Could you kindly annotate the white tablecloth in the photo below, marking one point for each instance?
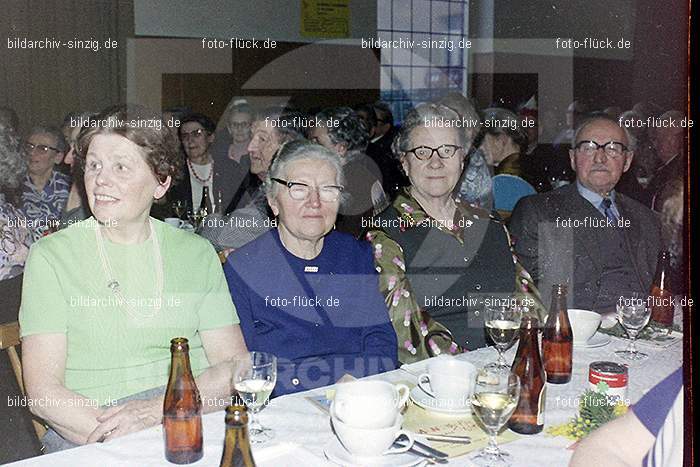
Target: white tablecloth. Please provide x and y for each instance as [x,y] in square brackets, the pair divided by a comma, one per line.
[298,421]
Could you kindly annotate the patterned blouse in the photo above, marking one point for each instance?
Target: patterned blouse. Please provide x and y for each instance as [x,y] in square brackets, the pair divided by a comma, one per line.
[411,322]
[43,208]
[15,239]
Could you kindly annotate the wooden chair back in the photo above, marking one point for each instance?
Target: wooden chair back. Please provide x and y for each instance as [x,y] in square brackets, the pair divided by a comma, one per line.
[9,341]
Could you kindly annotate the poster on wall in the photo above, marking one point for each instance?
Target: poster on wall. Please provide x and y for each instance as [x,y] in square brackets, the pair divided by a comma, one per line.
[325,18]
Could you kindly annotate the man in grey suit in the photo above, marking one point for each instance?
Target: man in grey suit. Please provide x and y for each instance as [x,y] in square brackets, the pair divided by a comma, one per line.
[603,244]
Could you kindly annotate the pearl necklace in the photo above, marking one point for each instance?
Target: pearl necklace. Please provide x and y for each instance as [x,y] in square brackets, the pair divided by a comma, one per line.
[114,285]
[203,181]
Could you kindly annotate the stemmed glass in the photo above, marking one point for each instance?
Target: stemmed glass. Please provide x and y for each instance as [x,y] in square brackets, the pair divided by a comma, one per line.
[254,378]
[180,208]
[502,323]
[495,397]
[633,313]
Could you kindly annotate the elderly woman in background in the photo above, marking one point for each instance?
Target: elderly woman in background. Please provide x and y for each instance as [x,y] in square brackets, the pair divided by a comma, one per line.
[342,131]
[76,208]
[476,185]
[103,297]
[435,253]
[45,190]
[249,215]
[322,315]
[15,236]
[240,118]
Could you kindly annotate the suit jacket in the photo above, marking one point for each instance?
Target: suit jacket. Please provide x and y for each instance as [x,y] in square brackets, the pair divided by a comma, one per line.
[554,253]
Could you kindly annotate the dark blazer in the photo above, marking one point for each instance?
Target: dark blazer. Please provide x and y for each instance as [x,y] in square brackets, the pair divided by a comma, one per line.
[553,253]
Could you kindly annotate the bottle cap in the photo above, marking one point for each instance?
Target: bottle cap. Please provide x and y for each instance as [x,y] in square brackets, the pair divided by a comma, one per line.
[236,415]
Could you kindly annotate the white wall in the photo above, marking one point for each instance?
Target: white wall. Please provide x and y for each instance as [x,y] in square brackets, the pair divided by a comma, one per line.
[279,20]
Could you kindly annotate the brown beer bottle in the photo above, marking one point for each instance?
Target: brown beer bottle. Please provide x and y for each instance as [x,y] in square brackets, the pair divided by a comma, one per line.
[557,339]
[205,205]
[182,408]
[661,294]
[528,417]
[237,444]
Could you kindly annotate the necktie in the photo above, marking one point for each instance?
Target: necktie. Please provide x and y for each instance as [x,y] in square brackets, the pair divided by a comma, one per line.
[606,204]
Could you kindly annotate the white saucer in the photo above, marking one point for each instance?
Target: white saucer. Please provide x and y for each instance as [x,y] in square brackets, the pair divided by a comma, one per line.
[336,453]
[598,340]
[428,402]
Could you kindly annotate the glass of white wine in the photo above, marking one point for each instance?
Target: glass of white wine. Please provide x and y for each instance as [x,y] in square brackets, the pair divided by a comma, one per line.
[633,312]
[495,397]
[254,378]
[502,324]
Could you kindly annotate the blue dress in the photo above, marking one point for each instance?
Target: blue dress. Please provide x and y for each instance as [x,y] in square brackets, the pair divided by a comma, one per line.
[322,318]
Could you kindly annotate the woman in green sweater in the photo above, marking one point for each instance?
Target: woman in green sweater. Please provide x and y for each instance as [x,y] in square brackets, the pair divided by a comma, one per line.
[103,297]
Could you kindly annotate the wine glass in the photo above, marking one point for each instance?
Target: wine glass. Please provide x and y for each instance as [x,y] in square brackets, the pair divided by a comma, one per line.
[495,397]
[179,207]
[502,324]
[633,313]
[254,378]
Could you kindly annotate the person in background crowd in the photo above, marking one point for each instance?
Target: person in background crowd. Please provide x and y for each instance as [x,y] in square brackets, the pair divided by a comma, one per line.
[650,434]
[9,119]
[428,245]
[343,132]
[669,204]
[15,236]
[102,298]
[323,309]
[574,112]
[17,438]
[613,111]
[504,142]
[379,149]
[367,114]
[196,133]
[76,208]
[45,191]
[272,128]
[645,162]
[558,234]
[238,125]
[475,187]
[670,145]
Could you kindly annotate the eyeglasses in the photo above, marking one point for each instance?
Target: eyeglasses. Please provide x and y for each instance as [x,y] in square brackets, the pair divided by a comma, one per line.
[424,153]
[42,148]
[193,134]
[612,149]
[301,191]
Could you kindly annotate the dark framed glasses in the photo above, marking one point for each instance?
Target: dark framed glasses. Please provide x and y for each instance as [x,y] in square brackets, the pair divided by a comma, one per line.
[612,149]
[41,148]
[445,151]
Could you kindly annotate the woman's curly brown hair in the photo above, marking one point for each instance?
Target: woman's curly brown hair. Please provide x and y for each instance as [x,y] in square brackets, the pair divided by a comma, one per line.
[142,127]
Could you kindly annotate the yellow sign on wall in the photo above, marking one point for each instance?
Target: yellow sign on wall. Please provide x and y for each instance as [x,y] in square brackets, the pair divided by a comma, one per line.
[325,18]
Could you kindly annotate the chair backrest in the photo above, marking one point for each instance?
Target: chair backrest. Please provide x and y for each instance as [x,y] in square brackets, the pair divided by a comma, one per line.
[508,189]
[9,341]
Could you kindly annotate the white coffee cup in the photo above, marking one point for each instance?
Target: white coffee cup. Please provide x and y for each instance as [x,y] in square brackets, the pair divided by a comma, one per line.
[372,442]
[449,380]
[369,404]
[175,222]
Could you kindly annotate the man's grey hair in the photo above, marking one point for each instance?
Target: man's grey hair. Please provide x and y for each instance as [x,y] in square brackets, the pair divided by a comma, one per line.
[422,116]
[631,140]
[346,128]
[55,133]
[13,164]
[302,150]
[287,123]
